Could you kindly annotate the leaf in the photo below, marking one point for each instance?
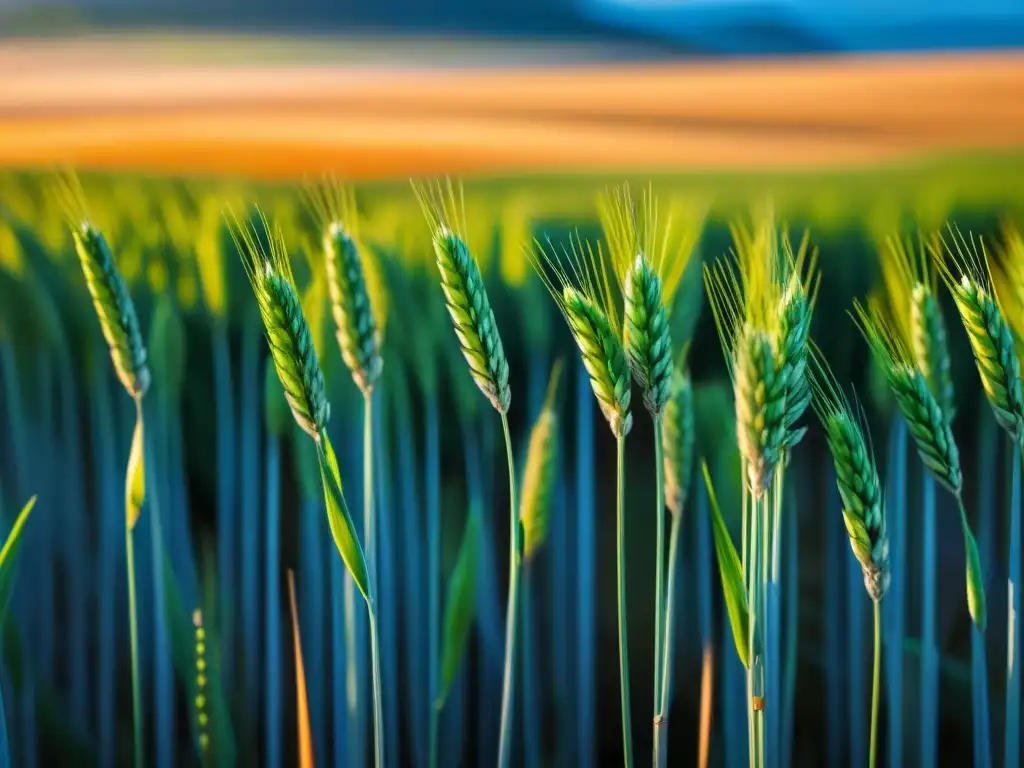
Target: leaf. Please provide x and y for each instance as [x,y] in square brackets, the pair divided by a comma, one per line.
[9,556]
[340,519]
[135,477]
[459,605]
[731,572]
[301,700]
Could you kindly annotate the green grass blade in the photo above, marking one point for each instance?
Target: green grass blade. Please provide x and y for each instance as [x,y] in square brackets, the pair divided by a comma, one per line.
[340,519]
[731,572]
[459,606]
[9,556]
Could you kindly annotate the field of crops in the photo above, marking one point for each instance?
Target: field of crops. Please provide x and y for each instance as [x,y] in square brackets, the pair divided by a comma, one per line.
[363,474]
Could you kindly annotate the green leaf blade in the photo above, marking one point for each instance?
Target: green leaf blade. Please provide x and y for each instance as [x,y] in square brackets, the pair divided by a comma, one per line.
[135,477]
[340,519]
[731,572]
[459,606]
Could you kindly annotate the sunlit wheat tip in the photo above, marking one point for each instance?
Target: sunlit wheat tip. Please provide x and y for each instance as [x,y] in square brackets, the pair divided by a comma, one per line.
[646,334]
[351,306]
[115,309]
[677,440]
[288,334]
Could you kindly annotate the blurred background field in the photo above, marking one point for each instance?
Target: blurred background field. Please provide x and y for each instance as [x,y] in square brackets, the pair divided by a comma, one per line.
[857,120]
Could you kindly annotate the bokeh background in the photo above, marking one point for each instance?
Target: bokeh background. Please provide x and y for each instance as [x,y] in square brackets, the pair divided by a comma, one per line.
[857,119]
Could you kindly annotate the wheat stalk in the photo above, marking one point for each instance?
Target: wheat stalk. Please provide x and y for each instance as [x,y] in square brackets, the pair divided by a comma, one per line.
[578,281]
[465,295]
[539,474]
[991,338]
[930,428]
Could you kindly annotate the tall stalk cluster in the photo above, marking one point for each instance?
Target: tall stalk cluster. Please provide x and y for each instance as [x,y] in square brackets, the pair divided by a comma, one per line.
[762,298]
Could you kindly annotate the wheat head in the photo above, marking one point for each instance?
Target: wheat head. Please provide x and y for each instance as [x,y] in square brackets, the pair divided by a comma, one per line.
[350,304]
[909,300]
[927,422]
[285,326]
[466,299]
[857,479]
[541,464]
[114,308]
[991,339]
[677,440]
[762,299]
[648,257]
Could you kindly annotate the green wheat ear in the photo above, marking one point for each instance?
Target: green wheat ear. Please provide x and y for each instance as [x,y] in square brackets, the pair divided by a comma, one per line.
[466,298]
[760,407]
[646,333]
[648,258]
[910,285]
[578,282]
[288,335]
[539,477]
[991,338]
[677,439]
[114,308]
[926,420]
[857,478]
[351,305]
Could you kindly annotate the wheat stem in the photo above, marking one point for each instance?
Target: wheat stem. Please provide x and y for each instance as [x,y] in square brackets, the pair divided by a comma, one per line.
[929,652]
[1011,739]
[432,470]
[620,556]
[660,651]
[875,686]
[515,551]
[661,721]
[133,630]
[370,536]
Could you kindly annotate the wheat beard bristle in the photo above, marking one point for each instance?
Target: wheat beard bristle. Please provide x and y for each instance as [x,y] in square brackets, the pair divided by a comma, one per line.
[677,436]
[646,334]
[353,315]
[760,408]
[995,354]
[115,309]
[931,353]
[604,359]
[473,319]
[928,426]
[863,510]
[291,347]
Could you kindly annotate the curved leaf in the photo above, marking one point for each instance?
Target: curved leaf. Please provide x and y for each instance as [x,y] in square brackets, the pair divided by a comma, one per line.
[731,572]
[458,608]
[340,519]
[135,477]
[9,556]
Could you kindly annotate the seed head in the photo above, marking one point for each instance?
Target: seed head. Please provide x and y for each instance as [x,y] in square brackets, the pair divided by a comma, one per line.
[857,478]
[288,334]
[794,333]
[677,440]
[761,411]
[603,357]
[350,304]
[473,318]
[539,477]
[114,307]
[646,334]
[927,421]
[930,348]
